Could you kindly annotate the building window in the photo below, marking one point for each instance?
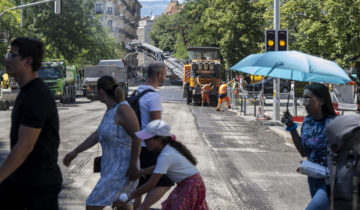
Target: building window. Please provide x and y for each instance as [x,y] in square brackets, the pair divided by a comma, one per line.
[109,23]
[99,8]
[109,10]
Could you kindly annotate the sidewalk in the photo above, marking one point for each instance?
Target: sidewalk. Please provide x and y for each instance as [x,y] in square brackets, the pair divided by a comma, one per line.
[275,126]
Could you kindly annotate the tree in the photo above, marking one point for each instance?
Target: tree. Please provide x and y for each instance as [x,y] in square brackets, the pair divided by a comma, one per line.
[180,48]
[308,27]
[73,34]
[163,33]
[325,28]
[344,20]
[239,26]
[9,26]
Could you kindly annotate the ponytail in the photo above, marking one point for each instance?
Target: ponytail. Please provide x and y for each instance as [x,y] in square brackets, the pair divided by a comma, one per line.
[118,94]
[179,147]
[111,87]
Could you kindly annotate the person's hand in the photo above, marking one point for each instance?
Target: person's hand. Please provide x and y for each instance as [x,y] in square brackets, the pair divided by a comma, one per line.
[69,157]
[118,204]
[287,119]
[133,173]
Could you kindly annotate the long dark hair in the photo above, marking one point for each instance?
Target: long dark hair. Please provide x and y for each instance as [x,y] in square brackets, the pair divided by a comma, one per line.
[111,87]
[321,91]
[179,147]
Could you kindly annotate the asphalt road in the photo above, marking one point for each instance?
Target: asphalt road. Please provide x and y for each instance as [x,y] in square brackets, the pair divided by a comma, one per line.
[244,165]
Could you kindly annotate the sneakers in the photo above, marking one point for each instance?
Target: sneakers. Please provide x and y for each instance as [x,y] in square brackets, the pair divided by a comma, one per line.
[218,110]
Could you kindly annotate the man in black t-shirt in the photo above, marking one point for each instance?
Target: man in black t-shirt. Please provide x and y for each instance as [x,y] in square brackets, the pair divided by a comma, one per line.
[30,177]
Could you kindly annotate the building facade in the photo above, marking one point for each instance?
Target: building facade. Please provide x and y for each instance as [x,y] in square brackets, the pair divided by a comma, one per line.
[121,17]
[145,26]
[173,8]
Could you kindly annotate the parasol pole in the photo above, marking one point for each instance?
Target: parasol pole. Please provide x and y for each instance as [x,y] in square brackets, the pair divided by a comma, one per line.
[287,104]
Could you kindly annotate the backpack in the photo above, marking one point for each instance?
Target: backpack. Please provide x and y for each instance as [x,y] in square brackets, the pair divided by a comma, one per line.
[343,161]
[133,101]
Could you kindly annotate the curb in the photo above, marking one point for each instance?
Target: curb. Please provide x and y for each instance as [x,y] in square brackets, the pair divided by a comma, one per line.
[280,131]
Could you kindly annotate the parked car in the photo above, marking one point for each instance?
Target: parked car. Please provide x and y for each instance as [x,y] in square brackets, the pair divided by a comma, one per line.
[285,86]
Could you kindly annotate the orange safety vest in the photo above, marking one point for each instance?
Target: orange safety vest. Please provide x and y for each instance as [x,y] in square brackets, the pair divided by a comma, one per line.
[222,89]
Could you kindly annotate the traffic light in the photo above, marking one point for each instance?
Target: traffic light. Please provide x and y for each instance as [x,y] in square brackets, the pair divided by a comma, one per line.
[282,40]
[57,7]
[269,40]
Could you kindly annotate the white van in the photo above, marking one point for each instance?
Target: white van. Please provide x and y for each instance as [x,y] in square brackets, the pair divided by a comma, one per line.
[118,63]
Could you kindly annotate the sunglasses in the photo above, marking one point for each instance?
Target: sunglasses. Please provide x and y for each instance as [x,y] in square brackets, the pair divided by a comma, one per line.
[11,55]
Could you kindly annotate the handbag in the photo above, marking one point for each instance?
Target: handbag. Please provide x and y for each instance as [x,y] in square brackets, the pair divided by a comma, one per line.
[97,162]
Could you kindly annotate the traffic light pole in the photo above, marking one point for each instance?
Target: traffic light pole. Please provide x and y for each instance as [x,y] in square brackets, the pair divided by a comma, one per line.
[276,95]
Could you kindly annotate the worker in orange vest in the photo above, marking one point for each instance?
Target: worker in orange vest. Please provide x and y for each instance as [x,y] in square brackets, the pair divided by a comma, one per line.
[223,94]
[205,90]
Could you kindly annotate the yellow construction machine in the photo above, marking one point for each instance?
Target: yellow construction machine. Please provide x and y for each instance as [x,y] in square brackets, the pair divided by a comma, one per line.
[8,91]
[203,67]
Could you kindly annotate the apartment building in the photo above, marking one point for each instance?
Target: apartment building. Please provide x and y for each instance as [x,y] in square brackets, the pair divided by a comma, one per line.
[145,26]
[121,17]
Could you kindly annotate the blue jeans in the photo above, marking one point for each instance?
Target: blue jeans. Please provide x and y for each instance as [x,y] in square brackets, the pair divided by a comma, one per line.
[318,194]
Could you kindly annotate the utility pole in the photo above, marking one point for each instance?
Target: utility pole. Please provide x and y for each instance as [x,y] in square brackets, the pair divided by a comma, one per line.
[276,95]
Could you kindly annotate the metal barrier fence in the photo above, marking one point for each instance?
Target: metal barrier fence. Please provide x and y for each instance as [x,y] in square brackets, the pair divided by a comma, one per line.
[254,102]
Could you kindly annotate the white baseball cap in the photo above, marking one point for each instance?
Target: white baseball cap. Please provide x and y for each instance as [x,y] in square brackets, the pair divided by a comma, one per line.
[154,128]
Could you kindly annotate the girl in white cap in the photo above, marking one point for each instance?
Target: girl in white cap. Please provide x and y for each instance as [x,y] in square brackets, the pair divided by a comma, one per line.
[178,163]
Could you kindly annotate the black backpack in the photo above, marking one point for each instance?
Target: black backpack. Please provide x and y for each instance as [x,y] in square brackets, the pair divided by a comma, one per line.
[133,101]
[343,161]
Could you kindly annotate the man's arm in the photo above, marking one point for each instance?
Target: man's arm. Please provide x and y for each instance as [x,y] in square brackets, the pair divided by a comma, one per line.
[230,82]
[155,115]
[27,138]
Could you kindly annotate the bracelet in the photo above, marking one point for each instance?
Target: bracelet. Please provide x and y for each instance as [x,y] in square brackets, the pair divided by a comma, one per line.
[292,127]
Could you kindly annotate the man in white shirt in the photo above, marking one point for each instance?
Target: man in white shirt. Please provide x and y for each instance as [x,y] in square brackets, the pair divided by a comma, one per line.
[150,109]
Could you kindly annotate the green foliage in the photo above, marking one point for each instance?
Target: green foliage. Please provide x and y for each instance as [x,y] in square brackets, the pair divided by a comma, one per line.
[192,29]
[76,35]
[329,29]
[72,35]
[343,29]
[9,25]
[234,26]
[182,29]
[163,33]
[239,28]
[180,49]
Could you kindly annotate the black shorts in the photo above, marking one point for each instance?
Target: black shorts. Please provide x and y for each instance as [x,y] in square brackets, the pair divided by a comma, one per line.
[222,95]
[147,159]
[15,196]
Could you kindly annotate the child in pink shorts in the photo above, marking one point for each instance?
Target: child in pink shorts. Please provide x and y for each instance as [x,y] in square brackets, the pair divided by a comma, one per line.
[177,162]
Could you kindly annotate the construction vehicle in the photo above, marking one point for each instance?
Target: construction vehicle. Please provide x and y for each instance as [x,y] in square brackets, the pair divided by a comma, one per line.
[8,91]
[93,72]
[202,68]
[60,78]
